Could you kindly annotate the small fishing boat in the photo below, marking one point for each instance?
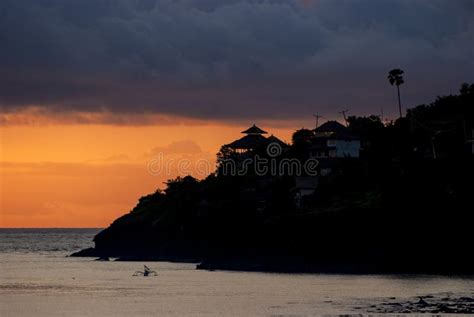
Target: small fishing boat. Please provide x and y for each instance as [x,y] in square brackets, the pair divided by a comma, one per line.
[146,272]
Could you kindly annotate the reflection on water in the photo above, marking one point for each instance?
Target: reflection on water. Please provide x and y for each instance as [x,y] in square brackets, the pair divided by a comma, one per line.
[36,281]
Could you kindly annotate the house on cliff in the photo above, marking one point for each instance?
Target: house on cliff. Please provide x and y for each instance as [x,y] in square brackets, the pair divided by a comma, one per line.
[331,143]
[333,140]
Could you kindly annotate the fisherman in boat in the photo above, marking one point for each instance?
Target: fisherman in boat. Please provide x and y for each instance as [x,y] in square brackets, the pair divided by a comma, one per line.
[146,270]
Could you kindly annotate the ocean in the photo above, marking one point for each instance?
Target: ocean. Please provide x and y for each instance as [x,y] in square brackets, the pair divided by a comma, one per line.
[38,279]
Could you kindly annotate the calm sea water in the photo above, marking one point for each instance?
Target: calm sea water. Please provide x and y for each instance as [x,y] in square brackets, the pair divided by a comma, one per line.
[37,279]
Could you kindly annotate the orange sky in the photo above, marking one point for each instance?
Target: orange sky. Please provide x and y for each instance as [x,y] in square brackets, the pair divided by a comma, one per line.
[86,175]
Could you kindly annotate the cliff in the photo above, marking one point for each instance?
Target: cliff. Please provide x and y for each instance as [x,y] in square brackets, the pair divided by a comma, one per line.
[403,206]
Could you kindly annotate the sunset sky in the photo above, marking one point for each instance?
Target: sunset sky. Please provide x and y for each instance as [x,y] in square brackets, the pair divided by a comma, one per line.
[92,90]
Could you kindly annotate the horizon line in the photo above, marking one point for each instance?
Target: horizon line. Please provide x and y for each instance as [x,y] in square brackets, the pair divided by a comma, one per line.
[3,228]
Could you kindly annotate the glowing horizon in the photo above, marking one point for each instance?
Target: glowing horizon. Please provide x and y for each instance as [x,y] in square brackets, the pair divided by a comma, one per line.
[77,175]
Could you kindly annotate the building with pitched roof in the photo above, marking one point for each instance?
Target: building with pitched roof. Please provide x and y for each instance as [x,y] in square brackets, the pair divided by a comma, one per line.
[254,138]
[334,140]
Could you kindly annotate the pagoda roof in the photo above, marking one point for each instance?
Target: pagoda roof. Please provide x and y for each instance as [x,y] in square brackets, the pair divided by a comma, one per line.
[247,142]
[254,130]
[274,139]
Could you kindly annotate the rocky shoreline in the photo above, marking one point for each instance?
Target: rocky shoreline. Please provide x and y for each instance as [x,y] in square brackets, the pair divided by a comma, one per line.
[93,253]
[443,303]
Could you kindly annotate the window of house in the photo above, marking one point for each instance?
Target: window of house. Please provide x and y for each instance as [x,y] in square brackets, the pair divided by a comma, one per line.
[331,142]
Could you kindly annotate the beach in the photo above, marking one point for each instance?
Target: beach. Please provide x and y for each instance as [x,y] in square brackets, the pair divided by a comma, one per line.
[48,283]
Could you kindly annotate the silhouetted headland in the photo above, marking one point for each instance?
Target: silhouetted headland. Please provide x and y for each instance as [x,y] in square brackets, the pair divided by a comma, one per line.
[384,197]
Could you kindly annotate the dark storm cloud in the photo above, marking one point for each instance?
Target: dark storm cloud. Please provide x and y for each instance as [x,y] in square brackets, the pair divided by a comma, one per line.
[230,59]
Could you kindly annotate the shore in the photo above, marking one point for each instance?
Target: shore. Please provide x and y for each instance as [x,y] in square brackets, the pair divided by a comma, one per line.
[50,284]
[434,303]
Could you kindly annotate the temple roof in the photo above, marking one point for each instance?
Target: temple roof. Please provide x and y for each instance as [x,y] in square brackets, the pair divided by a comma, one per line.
[254,130]
[274,139]
[247,142]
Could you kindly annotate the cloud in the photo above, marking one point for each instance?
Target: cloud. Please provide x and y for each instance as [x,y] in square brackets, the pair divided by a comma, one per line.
[118,158]
[36,115]
[224,60]
[177,147]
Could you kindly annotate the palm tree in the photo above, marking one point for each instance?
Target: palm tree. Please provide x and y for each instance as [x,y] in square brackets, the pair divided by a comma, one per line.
[395,76]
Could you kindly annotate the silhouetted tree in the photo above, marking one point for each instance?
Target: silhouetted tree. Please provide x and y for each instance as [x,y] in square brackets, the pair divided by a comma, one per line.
[395,76]
[301,142]
[302,137]
[224,153]
[364,126]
